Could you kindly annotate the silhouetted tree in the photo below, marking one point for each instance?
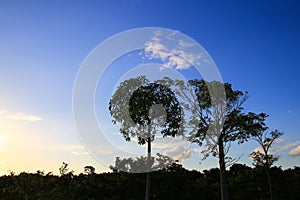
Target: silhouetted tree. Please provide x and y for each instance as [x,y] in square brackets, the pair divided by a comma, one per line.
[89,170]
[237,168]
[173,183]
[63,169]
[138,164]
[142,107]
[263,157]
[217,118]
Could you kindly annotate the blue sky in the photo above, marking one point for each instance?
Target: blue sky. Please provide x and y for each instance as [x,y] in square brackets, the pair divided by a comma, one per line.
[255,45]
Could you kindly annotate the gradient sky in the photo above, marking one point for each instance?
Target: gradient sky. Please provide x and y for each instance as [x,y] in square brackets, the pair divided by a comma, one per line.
[255,44]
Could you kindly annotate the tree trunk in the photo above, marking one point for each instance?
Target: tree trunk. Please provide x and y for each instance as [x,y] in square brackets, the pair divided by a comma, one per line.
[269,183]
[223,179]
[148,170]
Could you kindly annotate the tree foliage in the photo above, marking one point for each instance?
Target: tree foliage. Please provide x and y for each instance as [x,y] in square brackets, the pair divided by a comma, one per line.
[138,104]
[63,169]
[216,118]
[174,183]
[265,140]
[157,105]
[138,164]
[142,107]
[89,169]
[263,157]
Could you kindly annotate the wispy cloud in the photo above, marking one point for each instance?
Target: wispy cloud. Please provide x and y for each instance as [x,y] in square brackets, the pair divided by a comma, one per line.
[281,148]
[178,57]
[185,44]
[295,151]
[19,116]
[168,142]
[79,150]
[178,153]
[163,143]
[285,147]
[176,148]
[258,149]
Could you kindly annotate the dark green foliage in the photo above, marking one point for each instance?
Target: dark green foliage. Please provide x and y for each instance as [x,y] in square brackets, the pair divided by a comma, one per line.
[131,104]
[217,118]
[215,115]
[173,182]
[221,118]
[265,140]
[89,169]
[150,95]
[119,107]
[139,164]
[264,158]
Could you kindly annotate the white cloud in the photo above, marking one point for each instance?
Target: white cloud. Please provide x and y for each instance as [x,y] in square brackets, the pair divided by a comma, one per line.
[279,140]
[177,57]
[162,143]
[185,44]
[2,161]
[178,153]
[295,151]
[258,149]
[280,148]
[168,142]
[285,147]
[20,116]
[79,150]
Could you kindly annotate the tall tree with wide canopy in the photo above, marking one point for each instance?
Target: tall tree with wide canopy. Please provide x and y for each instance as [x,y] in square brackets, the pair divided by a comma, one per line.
[216,120]
[141,107]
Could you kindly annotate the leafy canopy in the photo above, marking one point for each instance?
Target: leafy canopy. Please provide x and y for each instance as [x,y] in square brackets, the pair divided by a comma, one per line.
[140,107]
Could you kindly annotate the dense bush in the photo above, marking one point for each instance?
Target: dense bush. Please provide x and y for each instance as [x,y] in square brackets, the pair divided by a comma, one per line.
[172,183]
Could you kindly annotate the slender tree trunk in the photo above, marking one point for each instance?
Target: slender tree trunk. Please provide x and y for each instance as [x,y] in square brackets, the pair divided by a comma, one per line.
[223,179]
[269,183]
[148,170]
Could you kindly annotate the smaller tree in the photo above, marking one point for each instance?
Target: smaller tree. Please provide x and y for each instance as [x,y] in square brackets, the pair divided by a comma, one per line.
[263,156]
[138,164]
[63,169]
[89,170]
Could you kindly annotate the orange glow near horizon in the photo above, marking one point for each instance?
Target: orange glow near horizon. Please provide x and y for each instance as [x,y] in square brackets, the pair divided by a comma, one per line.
[27,146]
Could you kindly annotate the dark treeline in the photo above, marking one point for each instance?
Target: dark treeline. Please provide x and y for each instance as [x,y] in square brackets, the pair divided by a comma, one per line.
[174,182]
